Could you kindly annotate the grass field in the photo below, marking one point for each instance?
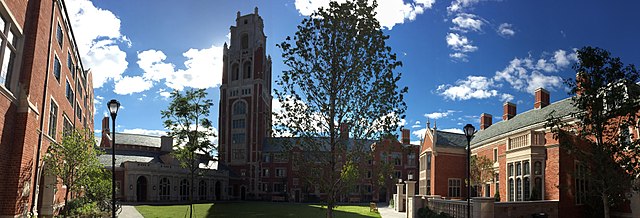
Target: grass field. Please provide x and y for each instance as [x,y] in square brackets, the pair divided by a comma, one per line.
[254,209]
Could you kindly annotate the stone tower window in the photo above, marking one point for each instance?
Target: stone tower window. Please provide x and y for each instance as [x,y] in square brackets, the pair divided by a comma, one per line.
[246,74]
[239,108]
[235,72]
[245,41]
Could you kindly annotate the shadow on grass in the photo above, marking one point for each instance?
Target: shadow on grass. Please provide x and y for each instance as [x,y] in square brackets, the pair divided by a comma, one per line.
[268,209]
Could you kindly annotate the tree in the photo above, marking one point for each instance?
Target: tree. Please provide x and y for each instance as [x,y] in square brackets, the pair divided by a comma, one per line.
[75,162]
[339,92]
[187,120]
[607,102]
[481,170]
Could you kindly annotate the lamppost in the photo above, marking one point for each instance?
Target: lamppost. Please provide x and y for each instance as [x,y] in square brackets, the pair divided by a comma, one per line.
[113,106]
[469,130]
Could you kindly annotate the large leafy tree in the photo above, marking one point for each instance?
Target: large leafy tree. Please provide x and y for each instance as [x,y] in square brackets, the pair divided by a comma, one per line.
[187,119]
[481,171]
[340,84]
[606,97]
[75,162]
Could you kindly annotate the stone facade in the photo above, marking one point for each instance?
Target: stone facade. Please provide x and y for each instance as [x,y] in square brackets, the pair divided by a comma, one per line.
[44,90]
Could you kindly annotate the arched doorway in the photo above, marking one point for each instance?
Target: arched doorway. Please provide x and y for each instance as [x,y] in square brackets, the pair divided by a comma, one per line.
[243,192]
[218,191]
[202,190]
[141,189]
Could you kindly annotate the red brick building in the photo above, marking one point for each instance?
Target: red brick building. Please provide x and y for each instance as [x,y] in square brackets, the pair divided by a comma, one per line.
[44,89]
[529,164]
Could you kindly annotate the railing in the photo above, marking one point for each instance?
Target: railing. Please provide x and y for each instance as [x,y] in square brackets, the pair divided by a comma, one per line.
[455,208]
[530,139]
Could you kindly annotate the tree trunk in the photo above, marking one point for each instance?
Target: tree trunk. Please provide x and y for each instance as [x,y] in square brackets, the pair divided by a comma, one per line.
[605,202]
[191,194]
[330,209]
[66,198]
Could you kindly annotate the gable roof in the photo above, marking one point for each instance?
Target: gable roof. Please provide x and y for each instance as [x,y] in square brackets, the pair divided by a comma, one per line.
[523,120]
[137,139]
[450,139]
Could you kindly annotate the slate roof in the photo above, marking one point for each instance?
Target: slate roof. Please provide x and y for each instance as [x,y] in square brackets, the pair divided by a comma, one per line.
[534,116]
[133,156]
[449,139]
[276,144]
[139,140]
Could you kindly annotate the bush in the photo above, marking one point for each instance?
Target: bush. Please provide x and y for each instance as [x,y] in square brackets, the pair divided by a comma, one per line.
[391,202]
[425,212]
[497,196]
[82,207]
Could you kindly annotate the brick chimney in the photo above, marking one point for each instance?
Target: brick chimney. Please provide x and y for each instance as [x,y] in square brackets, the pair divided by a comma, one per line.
[105,125]
[509,110]
[485,121]
[542,98]
[406,136]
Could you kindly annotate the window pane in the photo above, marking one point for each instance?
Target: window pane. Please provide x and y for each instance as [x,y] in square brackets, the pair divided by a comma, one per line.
[56,68]
[7,63]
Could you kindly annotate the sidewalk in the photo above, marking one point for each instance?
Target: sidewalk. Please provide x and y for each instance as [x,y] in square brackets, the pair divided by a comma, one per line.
[387,212]
[129,211]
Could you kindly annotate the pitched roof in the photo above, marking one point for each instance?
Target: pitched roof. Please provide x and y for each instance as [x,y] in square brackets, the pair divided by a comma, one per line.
[449,139]
[534,116]
[137,139]
[131,156]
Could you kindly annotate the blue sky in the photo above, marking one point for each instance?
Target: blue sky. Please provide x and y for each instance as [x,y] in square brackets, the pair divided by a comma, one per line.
[461,58]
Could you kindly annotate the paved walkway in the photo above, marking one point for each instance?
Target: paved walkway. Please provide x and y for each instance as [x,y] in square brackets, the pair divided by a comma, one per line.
[129,211]
[388,212]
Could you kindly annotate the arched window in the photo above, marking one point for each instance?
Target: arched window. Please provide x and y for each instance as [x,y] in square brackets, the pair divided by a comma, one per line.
[202,190]
[526,168]
[526,189]
[245,41]
[518,189]
[247,70]
[537,168]
[239,108]
[235,72]
[165,189]
[184,190]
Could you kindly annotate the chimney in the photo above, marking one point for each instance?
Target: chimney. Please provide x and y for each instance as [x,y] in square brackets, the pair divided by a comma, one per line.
[344,131]
[485,121]
[509,110]
[166,143]
[105,124]
[542,98]
[406,136]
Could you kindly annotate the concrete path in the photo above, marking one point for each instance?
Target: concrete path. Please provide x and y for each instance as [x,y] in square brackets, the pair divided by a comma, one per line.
[388,212]
[129,211]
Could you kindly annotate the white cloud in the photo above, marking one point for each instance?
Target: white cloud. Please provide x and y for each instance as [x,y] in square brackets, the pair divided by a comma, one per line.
[146,132]
[460,5]
[467,22]
[420,133]
[504,97]
[203,68]
[506,30]
[461,45]
[527,74]
[389,12]
[416,125]
[453,130]
[438,115]
[98,36]
[473,87]
[129,85]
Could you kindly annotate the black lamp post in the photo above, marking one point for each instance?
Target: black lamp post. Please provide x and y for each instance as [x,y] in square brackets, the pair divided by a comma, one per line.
[469,130]
[113,106]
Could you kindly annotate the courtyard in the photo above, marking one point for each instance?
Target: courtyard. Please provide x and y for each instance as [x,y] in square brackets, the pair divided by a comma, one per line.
[254,209]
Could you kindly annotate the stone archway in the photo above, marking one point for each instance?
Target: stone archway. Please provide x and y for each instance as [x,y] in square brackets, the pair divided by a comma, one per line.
[141,189]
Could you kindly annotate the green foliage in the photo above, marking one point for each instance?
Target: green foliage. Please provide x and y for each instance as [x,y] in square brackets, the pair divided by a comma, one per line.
[425,212]
[481,170]
[75,162]
[497,195]
[341,72]
[607,99]
[391,202]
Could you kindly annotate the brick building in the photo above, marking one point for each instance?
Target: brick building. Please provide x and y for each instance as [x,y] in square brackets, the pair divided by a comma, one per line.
[147,172]
[44,89]
[529,164]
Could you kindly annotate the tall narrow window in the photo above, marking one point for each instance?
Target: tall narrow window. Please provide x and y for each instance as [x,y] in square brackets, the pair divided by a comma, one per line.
[59,35]
[247,70]
[7,52]
[67,127]
[53,119]
[537,189]
[495,155]
[537,168]
[428,161]
[202,190]
[235,72]
[184,190]
[70,63]
[245,41]
[526,189]
[239,108]
[518,189]
[56,68]
[511,190]
[69,94]
[165,189]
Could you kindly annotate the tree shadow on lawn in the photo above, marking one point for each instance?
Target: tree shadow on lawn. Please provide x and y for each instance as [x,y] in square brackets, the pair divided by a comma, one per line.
[269,209]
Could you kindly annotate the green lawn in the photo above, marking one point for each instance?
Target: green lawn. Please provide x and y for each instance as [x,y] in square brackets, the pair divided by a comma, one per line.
[253,209]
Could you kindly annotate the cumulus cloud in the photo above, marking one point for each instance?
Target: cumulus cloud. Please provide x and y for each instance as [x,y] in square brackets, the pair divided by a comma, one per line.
[146,132]
[467,22]
[438,115]
[389,12]
[504,97]
[419,133]
[416,125]
[506,30]
[453,130]
[460,44]
[479,87]
[129,85]
[98,36]
[527,74]
[460,5]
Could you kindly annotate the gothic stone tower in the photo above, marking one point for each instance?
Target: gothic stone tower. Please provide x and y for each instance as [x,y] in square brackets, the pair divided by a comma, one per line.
[245,103]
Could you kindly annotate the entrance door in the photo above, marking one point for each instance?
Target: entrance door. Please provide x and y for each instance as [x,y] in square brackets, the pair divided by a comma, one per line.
[243,192]
[141,189]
